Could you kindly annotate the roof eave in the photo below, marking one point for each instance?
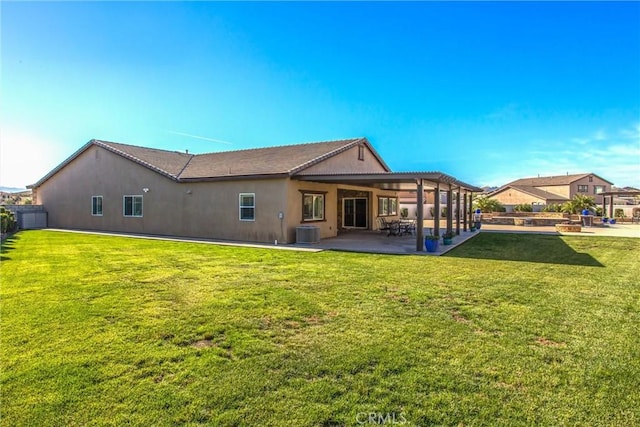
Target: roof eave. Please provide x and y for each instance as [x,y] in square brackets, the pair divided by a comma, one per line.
[234,177]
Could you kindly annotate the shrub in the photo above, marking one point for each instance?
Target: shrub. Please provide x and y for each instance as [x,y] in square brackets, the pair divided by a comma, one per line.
[8,221]
[523,207]
[619,213]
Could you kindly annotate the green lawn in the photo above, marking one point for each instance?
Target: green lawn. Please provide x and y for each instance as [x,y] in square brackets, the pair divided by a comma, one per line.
[505,330]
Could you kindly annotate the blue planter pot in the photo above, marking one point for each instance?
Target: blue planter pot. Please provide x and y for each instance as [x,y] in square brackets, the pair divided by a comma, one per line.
[431,245]
[447,241]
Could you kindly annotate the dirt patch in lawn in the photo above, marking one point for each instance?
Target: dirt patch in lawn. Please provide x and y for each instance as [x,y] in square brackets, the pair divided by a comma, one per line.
[549,343]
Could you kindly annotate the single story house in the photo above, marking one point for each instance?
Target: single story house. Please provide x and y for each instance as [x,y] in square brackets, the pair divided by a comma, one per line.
[548,190]
[254,195]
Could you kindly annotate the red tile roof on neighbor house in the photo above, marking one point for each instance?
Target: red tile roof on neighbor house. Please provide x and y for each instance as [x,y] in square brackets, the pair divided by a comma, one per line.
[281,160]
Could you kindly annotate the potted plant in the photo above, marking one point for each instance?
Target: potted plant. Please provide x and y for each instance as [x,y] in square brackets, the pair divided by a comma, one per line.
[447,237]
[431,242]
[472,227]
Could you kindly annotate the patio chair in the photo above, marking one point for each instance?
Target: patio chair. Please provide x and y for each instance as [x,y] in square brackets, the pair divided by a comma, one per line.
[409,227]
[383,225]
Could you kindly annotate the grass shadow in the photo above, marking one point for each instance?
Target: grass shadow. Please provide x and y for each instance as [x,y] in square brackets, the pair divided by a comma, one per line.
[7,245]
[523,247]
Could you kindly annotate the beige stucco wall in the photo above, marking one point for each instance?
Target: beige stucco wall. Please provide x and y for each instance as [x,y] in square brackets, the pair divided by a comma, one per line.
[202,209]
[329,226]
[511,196]
[205,209]
[347,162]
[591,192]
[561,190]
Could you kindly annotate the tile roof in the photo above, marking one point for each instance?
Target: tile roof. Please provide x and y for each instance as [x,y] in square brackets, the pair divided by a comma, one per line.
[549,180]
[281,160]
[170,163]
[286,159]
[547,195]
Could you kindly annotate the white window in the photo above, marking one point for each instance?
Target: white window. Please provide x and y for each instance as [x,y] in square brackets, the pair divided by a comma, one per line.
[247,206]
[96,205]
[132,206]
[583,188]
[597,189]
[312,207]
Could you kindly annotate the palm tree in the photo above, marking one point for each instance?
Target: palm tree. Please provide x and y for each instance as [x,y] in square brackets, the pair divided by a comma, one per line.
[579,203]
[485,204]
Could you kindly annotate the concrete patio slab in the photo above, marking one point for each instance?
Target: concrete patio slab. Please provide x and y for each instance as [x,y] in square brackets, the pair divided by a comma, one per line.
[380,243]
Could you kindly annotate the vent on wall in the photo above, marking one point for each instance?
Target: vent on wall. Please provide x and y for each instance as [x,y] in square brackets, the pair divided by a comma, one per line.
[307,234]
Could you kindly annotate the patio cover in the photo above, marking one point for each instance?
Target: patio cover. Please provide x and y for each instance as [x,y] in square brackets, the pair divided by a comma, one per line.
[402,181]
[612,194]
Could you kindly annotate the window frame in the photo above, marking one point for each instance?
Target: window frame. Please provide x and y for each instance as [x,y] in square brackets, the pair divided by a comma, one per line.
[241,206]
[602,187]
[133,205]
[94,205]
[583,188]
[361,152]
[315,195]
[387,206]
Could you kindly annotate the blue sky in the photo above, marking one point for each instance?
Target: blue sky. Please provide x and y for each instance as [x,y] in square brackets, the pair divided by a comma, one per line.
[487,92]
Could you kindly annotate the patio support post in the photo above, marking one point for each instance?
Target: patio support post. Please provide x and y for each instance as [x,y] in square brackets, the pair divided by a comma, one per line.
[449,209]
[420,219]
[436,211]
[611,207]
[464,211]
[458,212]
[604,205]
[470,212]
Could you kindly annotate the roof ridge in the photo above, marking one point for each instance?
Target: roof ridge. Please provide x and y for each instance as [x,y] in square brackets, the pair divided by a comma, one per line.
[191,157]
[325,156]
[141,146]
[283,145]
[138,160]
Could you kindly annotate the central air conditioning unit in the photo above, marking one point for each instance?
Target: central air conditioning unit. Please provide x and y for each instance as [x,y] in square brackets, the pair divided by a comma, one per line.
[307,234]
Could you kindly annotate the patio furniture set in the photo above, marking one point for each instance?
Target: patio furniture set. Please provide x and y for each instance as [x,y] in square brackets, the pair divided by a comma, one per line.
[397,227]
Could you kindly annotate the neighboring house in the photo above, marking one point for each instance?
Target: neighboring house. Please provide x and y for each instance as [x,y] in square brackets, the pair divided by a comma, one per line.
[548,190]
[258,195]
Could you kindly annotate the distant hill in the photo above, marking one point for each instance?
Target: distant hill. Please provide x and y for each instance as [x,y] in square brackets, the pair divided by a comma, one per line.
[12,189]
